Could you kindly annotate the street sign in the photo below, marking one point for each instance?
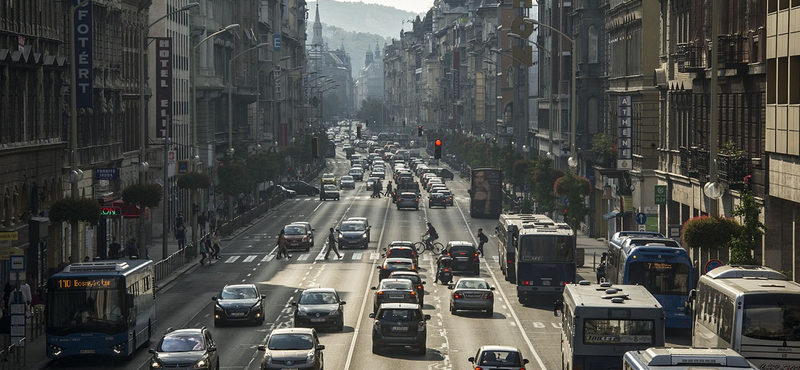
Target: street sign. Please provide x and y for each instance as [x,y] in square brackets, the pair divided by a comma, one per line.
[17,263]
[624,127]
[661,194]
[712,264]
[674,231]
[9,236]
[276,42]
[642,227]
[183,166]
[641,218]
[172,156]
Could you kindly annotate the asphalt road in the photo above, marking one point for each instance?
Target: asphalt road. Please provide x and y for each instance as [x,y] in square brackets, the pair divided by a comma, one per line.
[249,258]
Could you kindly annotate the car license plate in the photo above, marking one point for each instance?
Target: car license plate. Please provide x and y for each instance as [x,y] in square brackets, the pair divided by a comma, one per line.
[545,282]
[237,314]
[473,295]
[86,351]
[396,296]
[399,328]
[289,368]
[461,258]
[318,320]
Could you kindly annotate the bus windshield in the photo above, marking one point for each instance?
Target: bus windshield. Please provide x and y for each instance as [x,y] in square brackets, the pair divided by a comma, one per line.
[546,249]
[772,317]
[610,331]
[83,311]
[660,277]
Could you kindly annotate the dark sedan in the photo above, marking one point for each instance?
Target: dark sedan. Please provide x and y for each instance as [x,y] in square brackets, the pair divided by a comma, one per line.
[239,303]
[415,279]
[437,200]
[185,348]
[319,307]
[354,234]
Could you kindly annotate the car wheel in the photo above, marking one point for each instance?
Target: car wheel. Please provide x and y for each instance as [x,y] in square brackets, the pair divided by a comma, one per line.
[453,309]
[477,271]
[375,349]
[217,323]
[422,350]
[416,209]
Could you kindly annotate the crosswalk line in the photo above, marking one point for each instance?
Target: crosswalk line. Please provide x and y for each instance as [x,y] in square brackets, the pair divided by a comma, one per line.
[303,257]
[268,258]
[496,258]
[250,258]
[232,259]
[374,255]
[357,256]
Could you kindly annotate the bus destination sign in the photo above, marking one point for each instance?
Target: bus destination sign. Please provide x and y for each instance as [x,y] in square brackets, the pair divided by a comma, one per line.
[84,283]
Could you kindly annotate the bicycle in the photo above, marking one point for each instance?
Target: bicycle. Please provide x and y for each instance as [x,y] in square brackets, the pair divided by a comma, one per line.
[436,247]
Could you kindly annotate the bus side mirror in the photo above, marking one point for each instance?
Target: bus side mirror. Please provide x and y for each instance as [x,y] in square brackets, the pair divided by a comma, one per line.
[556,308]
[129,300]
[687,308]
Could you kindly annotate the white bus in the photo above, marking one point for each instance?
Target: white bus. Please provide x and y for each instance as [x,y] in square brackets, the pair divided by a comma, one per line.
[685,359]
[600,322]
[753,310]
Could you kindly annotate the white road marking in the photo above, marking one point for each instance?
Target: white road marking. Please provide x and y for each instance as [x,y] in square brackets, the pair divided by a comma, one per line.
[250,258]
[357,255]
[268,258]
[232,259]
[303,257]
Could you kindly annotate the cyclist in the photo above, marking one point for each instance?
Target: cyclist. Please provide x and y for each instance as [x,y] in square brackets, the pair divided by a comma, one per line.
[431,234]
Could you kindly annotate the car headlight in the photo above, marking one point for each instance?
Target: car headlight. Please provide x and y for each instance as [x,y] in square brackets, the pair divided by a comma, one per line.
[201,364]
[267,358]
[154,364]
[335,313]
[310,357]
[364,236]
[301,313]
[341,236]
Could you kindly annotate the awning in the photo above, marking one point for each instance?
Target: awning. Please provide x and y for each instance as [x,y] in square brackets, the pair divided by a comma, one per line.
[128,210]
[612,214]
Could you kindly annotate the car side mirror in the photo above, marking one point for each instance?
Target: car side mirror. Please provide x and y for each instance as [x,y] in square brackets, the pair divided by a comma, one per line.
[320,347]
[450,286]
[491,288]
[525,361]
[212,349]
[214,298]
[342,302]
[423,283]
[294,303]
[371,315]
[374,288]
[378,267]
[427,317]
[152,350]
[262,347]
[263,296]
[471,359]
[337,230]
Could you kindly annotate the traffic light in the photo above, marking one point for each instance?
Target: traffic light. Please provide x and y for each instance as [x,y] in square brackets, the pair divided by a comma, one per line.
[437,149]
[358,131]
[314,147]
[419,131]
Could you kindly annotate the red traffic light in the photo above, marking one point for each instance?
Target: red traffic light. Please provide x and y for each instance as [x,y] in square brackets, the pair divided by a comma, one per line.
[438,142]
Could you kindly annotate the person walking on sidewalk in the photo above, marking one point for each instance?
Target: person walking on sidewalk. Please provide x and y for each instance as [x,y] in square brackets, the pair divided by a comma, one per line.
[217,246]
[332,245]
[482,239]
[180,235]
[283,249]
[201,222]
[114,249]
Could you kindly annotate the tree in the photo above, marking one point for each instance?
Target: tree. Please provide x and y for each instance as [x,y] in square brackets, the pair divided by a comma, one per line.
[604,149]
[544,177]
[708,233]
[142,195]
[371,110]
[233,179]
[575,189]
[75,210]
[743,244]
[194,181]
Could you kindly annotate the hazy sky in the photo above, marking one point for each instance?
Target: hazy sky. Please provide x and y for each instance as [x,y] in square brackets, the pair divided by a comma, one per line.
[416,6]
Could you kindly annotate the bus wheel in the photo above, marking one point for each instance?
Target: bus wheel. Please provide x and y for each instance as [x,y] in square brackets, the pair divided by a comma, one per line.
[522,300]
[149,334]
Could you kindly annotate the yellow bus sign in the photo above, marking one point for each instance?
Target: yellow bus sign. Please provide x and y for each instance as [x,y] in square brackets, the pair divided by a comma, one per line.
[9,236]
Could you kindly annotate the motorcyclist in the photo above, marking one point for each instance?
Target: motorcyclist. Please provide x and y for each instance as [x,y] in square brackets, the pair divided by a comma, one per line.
[444,261]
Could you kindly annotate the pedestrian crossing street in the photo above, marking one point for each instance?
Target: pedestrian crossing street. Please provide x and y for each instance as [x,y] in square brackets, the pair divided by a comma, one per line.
[246,258]
[345,196]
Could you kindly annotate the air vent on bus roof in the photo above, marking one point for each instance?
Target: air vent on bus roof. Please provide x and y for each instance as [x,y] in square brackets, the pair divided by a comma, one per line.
[605,284]
[617,300]
[97,266]
[584,282]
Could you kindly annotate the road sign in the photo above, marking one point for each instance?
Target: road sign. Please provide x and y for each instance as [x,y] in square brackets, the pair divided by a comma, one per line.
[17,263]
[183,166]
[661,194]
[641,218]
[172,156]
[712,264]
[674,231]
[642,227]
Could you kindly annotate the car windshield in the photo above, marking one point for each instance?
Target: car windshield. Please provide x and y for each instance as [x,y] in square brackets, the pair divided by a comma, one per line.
[347,178]
[396,285]
[461,251]
[182,343]
[353,226]
[294,230]
[414,279]
[500,358]
[472,284]
[330,187]
[400,315]
[398,266]
[281,342]
[238,293]
[400,253]
[318,298]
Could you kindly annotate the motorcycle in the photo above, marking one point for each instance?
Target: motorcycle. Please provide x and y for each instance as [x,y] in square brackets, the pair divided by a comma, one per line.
[444,273]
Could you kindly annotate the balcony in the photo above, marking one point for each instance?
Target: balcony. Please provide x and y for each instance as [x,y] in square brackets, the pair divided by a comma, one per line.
[732,170]
[690,58]
[733,51]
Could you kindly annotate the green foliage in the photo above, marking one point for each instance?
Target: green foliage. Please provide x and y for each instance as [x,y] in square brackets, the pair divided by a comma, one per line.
[709,233]
[743,244]
[233,179]
[371,110]
[194,180]
[75,209]
[332,105]
[544,176]
[263,167]
[143,195]
[604,149]
[575,189]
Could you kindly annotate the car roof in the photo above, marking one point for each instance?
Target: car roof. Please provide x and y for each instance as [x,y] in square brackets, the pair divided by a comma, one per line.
[460,243]
[396,273]
[400,259]
[402,246]
[292,331]
[185,331]
[500,348]
[319,290]
[353,222]
[406,306]
[239,286]
[347,177]
[409,193]
[473,279]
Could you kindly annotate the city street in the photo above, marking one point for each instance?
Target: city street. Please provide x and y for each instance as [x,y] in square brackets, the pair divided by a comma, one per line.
[249,257]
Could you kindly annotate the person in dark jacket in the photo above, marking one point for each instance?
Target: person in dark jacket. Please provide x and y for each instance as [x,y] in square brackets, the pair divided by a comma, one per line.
[482,239]
[332,245]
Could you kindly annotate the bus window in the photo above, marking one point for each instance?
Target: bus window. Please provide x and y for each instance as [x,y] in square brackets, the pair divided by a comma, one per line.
[660,277]
[609,331]
[773,317]
[546,249]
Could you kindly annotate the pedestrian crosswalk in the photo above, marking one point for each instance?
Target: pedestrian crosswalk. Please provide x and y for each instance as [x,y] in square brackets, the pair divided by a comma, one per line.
[344,196]
[248,258]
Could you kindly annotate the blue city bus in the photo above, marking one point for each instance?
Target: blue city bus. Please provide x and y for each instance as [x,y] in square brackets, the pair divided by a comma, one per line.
[103,308]
[659,264]
[536,253]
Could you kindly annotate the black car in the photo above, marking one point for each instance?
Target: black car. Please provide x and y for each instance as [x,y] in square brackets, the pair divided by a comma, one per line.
[400,325]
[465,257]
[354,234]
[301,187]
[401,249]
[437,200]
[239,303]
[319,307]
[415,279]
[277,190]
[185,348]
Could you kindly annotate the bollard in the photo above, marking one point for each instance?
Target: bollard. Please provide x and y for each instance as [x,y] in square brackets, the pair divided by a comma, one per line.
[594,261]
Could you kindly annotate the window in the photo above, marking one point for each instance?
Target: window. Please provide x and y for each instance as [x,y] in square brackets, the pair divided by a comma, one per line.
[606,331]
[593,45]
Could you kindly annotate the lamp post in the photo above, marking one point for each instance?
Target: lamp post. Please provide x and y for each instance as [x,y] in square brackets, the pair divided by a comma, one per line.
[192,76]
[573,159]
[230,111]
[143,136]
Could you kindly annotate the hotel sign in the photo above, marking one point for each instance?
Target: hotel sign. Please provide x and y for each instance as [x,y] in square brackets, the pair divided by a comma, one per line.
[164,87]
[624,157]
[82,44]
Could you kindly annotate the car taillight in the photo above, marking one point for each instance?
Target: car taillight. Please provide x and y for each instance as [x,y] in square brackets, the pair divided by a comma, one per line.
[525,282]
[446,270]
[421,325]
[510,262]
[416,199]
[399,199]
[458,296]
[419,287]
[488,296]
[380,293]
[413,293]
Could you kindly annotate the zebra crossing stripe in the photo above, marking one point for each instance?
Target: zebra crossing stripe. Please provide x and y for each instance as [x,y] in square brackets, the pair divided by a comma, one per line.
[374,255]
[250,258]
[357,255]
[268,258]
[303,257]
[232,259]
[496,258]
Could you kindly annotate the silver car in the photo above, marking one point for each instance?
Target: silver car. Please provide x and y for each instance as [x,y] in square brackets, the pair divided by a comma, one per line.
[472,294]
[498,357]
[394,291]
[408,200]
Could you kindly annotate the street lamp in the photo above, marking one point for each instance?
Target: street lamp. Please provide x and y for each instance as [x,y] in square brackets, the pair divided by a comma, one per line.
[573,159]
